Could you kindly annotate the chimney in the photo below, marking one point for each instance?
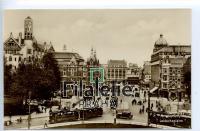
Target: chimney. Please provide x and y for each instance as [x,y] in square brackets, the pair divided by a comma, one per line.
[20,38]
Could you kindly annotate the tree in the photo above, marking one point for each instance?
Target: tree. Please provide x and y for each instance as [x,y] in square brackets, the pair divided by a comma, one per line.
[7,78]
[41,79]
[52,71]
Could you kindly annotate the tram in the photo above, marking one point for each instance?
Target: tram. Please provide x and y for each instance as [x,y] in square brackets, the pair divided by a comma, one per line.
[61,116]
[77,114]
[88,113]
[176,120]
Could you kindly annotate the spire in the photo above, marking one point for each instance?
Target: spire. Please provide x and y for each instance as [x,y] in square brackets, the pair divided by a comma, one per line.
[92,51]
[11,35]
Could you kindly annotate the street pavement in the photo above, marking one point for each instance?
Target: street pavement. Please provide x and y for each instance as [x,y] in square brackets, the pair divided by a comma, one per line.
[38,120]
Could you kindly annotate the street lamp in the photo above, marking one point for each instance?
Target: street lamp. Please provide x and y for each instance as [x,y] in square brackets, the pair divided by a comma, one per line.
[60,93]
[29,109]
[178,87]
[148,121]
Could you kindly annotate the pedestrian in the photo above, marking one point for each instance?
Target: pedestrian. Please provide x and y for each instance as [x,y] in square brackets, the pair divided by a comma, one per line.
[45,109]
[121,101]
[50,110]
[147,109]
[45,124]
[20,119]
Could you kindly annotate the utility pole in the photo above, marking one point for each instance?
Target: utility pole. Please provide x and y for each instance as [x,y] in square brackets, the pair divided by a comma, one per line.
[148,121]
[60,94]
[178,98]
[29,109]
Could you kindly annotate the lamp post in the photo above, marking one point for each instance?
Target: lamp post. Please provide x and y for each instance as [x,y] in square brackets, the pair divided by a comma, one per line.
[148,121]
[29,109]
[60,93]
[178,98]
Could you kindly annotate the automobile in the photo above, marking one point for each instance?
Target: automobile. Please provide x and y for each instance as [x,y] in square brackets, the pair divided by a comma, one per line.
[124,115]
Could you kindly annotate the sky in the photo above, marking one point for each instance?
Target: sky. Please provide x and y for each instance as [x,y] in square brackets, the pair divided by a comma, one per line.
[127,34]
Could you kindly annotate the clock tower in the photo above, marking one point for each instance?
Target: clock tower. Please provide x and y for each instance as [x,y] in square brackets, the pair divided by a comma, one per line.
[28,28]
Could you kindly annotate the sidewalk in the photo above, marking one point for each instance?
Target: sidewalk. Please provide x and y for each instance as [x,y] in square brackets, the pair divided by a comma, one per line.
[25,117]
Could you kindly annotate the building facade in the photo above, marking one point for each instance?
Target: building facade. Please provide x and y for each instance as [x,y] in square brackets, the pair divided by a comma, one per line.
[167,68]
[133,74]
[24,49]
[92,62]
[146,72]
[71,66]
[116,71]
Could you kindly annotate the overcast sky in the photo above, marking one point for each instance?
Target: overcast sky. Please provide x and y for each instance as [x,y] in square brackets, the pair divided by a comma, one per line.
[115,34]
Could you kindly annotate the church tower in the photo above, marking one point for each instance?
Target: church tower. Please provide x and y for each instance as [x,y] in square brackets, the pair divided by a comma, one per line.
[28,28]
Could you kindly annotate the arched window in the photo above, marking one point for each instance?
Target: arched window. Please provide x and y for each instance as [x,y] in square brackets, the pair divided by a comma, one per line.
[10,58]
[20,58]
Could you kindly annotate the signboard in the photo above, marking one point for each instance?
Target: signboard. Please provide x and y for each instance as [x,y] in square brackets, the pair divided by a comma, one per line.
[96,72]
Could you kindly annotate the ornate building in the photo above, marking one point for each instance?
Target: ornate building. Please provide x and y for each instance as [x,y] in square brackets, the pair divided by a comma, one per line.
[92,62]
[71,66]
[26,49]
[167,68]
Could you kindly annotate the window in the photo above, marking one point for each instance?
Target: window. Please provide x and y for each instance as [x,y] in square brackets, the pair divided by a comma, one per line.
[19,58]
[64,73]
[10,58]
[29,59]
[164,85]
[164,70]
[29,51]
[165,77]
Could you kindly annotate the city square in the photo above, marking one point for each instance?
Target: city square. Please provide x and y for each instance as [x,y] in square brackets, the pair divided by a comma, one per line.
[47,85]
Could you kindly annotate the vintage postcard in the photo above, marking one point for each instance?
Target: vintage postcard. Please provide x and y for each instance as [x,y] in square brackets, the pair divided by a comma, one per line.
[97,68]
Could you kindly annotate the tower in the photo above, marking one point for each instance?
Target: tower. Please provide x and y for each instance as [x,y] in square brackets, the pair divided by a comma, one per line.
[160,43]
[28,28]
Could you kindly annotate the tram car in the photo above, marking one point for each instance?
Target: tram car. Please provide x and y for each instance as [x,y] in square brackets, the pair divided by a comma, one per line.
[88,113]
[176,120]
[61,116]
[78,114]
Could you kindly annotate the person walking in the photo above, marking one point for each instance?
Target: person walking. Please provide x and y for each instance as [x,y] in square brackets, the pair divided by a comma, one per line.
[45,124]
[45,109]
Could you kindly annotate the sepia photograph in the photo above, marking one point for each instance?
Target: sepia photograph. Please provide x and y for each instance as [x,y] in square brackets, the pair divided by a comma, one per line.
[97,68]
